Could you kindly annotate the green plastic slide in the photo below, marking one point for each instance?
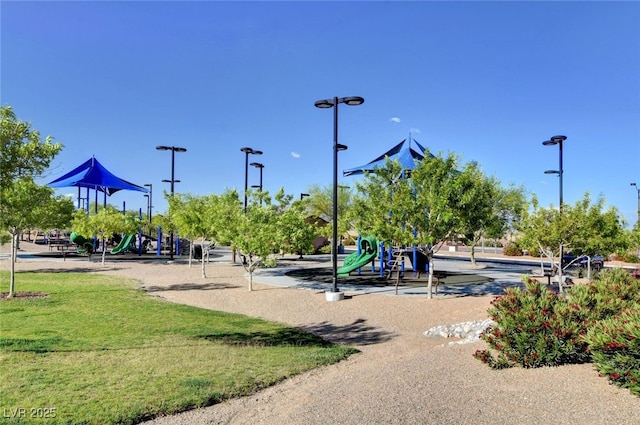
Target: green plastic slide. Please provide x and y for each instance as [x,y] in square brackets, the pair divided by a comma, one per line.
[368,252]
[124,245]
[85,246]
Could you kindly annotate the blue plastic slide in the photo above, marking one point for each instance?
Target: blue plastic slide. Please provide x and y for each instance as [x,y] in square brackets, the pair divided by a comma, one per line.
[368,252]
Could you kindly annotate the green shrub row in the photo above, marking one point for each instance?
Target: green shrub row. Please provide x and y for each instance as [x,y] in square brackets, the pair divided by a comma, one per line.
[598,322]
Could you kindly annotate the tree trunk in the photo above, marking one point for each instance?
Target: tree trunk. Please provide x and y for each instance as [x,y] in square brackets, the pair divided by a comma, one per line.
[14,256]
[204,271]
[104,249]
[430,284]
[473,254]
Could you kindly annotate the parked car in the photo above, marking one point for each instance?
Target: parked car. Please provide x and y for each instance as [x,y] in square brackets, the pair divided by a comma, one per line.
[570,260]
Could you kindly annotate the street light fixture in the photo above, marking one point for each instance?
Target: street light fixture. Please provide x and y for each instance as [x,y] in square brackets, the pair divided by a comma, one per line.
[303,195]
[150,213]
[558,140]
[173,150]
[247,152]
[261,167]
[333,103]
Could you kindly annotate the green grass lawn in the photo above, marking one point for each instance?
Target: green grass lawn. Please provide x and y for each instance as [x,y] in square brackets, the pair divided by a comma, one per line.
[98,351]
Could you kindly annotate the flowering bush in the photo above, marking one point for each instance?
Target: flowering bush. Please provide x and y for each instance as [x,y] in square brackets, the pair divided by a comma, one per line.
[534,327]
[615,348]
[537,327]
[609,294]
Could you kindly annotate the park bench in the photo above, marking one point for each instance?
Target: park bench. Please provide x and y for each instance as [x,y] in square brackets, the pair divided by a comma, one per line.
[548,273]
[58,244]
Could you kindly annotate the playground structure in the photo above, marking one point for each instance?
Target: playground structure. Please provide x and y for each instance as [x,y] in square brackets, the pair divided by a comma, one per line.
[85,246]
[370,248]
[366,253]
[127,243]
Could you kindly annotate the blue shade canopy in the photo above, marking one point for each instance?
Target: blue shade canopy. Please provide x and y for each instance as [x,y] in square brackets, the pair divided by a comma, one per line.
[406,152]
[93,175]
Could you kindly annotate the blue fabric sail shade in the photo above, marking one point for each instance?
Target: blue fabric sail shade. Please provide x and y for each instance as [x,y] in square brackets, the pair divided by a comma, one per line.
[406,152]
[93,175]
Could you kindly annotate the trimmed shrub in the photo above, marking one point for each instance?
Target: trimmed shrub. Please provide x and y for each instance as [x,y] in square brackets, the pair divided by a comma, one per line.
[511,249]
[630,258]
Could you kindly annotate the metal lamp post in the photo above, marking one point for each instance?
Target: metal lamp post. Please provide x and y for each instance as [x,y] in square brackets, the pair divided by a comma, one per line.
[303,195]
[333,103]
[173,150]
[261,167]
[148,204]
[558,140]
[638,222]
[638,190]
[247,152]
[150,200]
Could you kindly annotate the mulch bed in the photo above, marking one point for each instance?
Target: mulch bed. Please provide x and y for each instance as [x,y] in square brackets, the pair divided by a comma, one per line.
[23,295]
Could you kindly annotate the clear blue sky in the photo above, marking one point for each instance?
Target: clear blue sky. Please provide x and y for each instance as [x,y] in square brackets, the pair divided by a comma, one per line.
[489,81]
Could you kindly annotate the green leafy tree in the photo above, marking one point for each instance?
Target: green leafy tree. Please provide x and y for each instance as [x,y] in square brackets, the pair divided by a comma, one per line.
[226,217]
[22,151]
[477,195]
[320,204]
[436,181]
[583,229]
[544,230]
[23,204]
[634,238]
[29,205]
[402,210]
[296,233]
[104,224]
[596,231]
[194,218]
[385,206]
[486,209]
[257,235]
[511,206]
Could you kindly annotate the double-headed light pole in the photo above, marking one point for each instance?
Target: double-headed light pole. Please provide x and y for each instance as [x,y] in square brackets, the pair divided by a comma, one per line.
[558,140]
[333,103]
[247,152]
[173,150]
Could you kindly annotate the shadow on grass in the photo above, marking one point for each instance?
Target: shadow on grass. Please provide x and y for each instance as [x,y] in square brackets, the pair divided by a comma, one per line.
[38,346]
[70,270]
[284,337]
